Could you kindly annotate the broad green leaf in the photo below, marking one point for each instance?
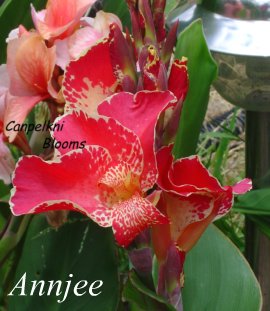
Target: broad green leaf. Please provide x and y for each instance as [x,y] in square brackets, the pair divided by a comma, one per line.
[217,277]
[80,248]
[202,70]
[142,298]
[232,230]
[119,8]
[12,14]
[255,202]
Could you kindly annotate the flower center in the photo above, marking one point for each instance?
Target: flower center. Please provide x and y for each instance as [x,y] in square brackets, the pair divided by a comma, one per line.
[119,183]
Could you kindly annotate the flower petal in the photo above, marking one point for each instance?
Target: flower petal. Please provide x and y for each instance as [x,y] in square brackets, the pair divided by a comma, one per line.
[184,211]
[4,78]
[17,108]
[94,79]
[167,50]
[140,113]
[193,232]
[178,82]
[30,64]
[62,53]
[121,179]
[224,202]
[164,160]
[122,143]
[158,8]
[242,186]
[72,47]
[103,20]
[68,183]
[7,163]
[161,234]
[132,216]
[60,18]
[185,175]
[190,171]
[82,40]
[123,60]
[154,73]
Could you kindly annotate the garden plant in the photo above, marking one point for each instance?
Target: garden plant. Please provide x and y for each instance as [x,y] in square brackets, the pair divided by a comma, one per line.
[111,198]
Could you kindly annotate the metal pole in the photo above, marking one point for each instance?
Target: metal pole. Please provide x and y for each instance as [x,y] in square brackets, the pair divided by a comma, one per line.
[258,168]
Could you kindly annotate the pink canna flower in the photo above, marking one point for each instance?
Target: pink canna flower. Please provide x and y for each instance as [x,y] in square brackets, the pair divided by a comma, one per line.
[60,18]
[105,180]
[102,22]
[191,198]
[30,65]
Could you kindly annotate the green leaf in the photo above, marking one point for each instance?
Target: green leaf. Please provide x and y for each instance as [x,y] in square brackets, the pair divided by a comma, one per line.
[80,248]
[202,70]
[12,14]
[120,9]
[142,298]
[171,5]
[9,242]
[232,229]
[4,192]
[217,277]
[222,152]
[255,202]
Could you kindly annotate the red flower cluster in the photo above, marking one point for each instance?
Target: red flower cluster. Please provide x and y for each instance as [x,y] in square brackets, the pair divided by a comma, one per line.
[122,96]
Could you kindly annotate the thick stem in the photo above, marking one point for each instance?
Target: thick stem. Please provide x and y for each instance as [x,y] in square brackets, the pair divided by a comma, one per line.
[13,236]
[141,257]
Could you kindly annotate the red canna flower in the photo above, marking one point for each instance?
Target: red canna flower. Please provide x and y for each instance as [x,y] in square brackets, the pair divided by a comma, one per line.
[140,113]
[191,198]
[92,30]
[106,180]
[90,79]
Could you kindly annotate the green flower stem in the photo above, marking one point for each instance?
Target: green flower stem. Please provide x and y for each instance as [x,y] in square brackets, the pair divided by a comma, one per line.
[13,236]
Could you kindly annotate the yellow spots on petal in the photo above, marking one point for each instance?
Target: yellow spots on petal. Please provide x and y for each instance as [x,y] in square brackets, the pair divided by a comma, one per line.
[153,57]
[88,98]
[119,183]
[181,63]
